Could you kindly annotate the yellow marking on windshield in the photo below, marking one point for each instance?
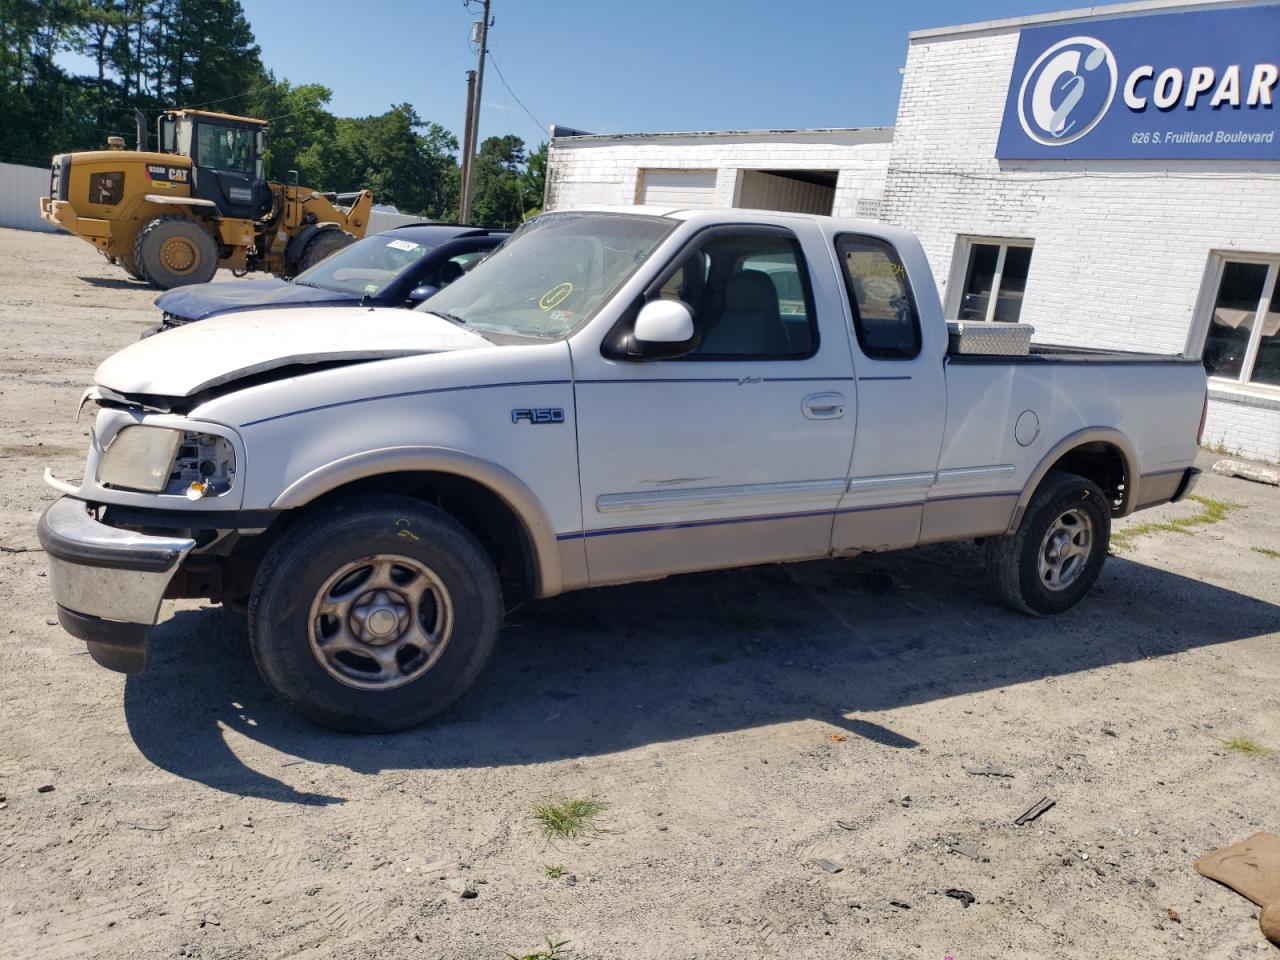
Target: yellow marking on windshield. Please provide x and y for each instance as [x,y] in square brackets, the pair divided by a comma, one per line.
[556,295]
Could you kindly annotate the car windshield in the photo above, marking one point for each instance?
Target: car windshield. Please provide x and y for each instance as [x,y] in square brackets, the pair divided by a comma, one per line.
[551,275]
[367,267]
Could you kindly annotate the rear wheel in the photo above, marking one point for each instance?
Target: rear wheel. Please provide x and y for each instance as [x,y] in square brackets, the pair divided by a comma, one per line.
[323,243]
[1058,551]
[374,615]
[174,251]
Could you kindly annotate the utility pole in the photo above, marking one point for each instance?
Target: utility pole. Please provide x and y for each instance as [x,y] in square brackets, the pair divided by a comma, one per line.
[467,135]
[464,214]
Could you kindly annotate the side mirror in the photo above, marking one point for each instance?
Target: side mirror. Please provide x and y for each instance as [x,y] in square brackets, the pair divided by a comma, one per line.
[663,330]
[425,292]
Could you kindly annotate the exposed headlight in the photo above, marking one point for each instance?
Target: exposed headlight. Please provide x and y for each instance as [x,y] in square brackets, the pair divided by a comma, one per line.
[139,458]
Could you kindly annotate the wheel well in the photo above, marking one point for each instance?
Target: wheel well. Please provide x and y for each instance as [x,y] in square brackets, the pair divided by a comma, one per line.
[1104,464]
[485,514]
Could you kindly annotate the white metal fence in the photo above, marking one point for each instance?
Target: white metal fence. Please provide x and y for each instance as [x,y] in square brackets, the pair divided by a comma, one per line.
[20,191]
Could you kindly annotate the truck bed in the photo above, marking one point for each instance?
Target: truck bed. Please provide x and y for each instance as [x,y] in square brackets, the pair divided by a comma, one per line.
[1054,353]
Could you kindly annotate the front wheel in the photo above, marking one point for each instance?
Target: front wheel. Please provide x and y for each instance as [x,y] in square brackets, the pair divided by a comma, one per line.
[322,244]
[1058,551]
[374,615]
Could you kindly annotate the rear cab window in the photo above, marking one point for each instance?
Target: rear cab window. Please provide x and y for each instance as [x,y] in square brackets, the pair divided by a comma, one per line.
[885,319]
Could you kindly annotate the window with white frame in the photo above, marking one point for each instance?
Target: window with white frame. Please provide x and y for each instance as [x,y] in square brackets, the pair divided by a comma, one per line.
[995,278]
[1243,338]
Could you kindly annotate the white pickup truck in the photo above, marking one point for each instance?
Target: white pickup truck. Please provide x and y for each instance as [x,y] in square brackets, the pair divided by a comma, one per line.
[615,395]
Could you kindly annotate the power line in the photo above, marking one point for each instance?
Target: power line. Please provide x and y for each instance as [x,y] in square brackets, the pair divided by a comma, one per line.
[541,125]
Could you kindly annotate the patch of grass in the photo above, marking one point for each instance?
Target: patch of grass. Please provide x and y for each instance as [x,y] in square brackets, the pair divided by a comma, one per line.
[1211,511]
[1267,552]
[554,871]
[552,951]
[562,818]
[1242,743]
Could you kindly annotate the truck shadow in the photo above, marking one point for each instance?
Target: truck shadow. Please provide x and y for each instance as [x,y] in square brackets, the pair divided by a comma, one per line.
[612,669]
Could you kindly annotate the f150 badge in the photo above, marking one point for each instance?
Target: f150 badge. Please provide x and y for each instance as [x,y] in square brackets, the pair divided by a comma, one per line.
[538,415]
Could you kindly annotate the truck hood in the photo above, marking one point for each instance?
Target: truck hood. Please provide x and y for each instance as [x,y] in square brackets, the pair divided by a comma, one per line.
[194,358]
[200,300]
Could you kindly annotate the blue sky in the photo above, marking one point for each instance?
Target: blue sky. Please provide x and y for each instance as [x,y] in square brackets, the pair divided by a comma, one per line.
[614,66]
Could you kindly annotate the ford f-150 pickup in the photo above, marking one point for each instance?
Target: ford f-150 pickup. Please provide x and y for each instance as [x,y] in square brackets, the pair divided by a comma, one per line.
[615,395]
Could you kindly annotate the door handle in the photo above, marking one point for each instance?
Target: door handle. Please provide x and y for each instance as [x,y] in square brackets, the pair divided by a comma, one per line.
[823,406]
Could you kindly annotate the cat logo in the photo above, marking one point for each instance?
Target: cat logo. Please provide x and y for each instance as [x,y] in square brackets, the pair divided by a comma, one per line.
[161,174]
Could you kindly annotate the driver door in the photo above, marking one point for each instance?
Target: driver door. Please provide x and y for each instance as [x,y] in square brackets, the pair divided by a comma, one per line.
[738,452]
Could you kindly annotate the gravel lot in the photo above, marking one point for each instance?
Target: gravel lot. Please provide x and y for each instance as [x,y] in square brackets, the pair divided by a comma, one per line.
[738,726]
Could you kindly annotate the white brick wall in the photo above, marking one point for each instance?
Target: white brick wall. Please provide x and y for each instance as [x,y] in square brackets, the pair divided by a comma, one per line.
[1121,247]
[584,171]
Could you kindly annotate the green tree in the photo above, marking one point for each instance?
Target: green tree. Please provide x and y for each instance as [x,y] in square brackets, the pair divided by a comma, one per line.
[403,159]
[156,54]
[497,199]
[302,129]
[533,181]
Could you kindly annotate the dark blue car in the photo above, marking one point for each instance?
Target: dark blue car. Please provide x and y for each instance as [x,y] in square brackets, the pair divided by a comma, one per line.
[398,268]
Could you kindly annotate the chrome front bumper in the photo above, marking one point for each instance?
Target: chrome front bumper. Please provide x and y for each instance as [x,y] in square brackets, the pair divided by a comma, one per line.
[108,583]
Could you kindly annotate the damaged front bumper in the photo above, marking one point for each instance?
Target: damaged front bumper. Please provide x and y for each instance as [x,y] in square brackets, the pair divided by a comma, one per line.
[108,583]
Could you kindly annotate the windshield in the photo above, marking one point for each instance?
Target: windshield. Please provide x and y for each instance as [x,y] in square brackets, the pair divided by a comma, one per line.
[229,149]
[550,276]
[367,267]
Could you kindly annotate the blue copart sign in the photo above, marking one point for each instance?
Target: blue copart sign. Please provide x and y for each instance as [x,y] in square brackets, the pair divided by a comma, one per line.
[1169,86]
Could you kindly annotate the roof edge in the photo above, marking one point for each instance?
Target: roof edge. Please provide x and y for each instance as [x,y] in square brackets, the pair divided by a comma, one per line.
[1107,11]
[877,134]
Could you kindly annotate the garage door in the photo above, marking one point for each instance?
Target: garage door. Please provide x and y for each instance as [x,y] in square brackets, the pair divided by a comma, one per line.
[678,188]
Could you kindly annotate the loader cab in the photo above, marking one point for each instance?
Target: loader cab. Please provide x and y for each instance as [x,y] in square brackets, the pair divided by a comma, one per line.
[226,159]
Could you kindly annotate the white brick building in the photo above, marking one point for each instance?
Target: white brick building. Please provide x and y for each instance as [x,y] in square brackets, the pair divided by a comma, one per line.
[1126,254]
[1160,255]
[815,171]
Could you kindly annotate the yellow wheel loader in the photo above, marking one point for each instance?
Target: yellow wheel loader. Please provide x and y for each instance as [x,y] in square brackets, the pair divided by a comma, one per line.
[200,202]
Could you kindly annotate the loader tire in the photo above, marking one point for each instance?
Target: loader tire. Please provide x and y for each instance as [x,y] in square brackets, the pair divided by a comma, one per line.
[320,246]
[174,251]
[131,267]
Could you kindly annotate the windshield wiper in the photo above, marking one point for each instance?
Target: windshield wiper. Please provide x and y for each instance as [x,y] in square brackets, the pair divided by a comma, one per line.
[451,317]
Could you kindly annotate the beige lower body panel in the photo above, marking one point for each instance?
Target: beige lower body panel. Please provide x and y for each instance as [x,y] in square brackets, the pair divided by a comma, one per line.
[627,554]
[573,564]
[1158,488]
[959,518]
[646,553]
[874,529]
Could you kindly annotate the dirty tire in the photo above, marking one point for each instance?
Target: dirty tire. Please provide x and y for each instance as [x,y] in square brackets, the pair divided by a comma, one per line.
[323,243]
[296,578]
[131,267]
[1014,563]
[174,251]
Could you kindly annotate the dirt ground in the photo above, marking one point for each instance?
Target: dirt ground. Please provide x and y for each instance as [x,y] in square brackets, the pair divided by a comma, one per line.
[738,726]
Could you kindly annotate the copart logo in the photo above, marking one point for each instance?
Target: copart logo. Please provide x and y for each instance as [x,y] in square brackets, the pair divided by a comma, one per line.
[1067,91]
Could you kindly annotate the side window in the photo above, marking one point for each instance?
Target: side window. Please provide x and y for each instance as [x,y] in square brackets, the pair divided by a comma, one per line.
[750,298]
[457,265]
[884,312]
[994,281]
